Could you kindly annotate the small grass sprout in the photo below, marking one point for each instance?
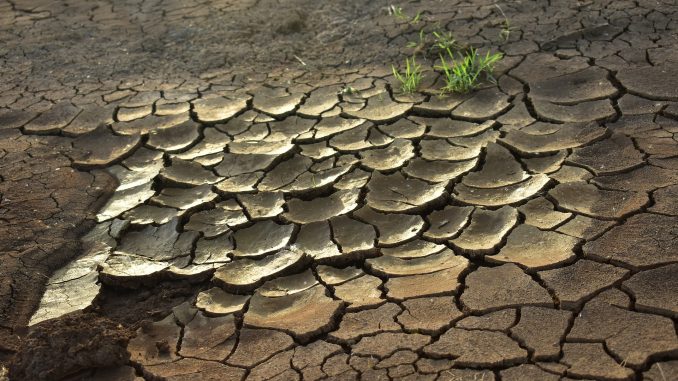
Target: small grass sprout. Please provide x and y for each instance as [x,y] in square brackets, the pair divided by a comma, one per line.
[465,74]
[348,90]
[410,79]
[397,12]
[506,28]
[438,41]
[420,44]
[415,20]
[444,40]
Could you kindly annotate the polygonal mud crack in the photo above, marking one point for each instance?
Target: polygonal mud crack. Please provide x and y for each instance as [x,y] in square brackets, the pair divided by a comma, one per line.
[331,225]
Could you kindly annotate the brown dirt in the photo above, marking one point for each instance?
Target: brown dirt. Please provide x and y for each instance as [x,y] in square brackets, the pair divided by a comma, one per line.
[50,51]
[132,307]
[58,348]
[46,206]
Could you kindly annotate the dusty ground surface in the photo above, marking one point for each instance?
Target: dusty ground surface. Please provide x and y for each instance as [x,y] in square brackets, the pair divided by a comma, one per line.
[197,179]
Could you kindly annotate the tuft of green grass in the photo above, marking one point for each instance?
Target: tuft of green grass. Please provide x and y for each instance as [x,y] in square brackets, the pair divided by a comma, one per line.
[465,74]
[410,79]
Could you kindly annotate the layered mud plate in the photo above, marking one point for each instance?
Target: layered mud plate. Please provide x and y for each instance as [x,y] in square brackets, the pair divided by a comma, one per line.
[240,190]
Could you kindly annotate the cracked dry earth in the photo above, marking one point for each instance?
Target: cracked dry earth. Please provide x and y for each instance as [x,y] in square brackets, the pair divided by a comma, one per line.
[182,199]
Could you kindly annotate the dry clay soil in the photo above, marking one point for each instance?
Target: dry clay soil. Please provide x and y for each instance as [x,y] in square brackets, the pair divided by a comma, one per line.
[238,189]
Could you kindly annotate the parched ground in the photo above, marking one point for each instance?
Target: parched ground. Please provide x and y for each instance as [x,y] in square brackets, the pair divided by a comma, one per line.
[235,189]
